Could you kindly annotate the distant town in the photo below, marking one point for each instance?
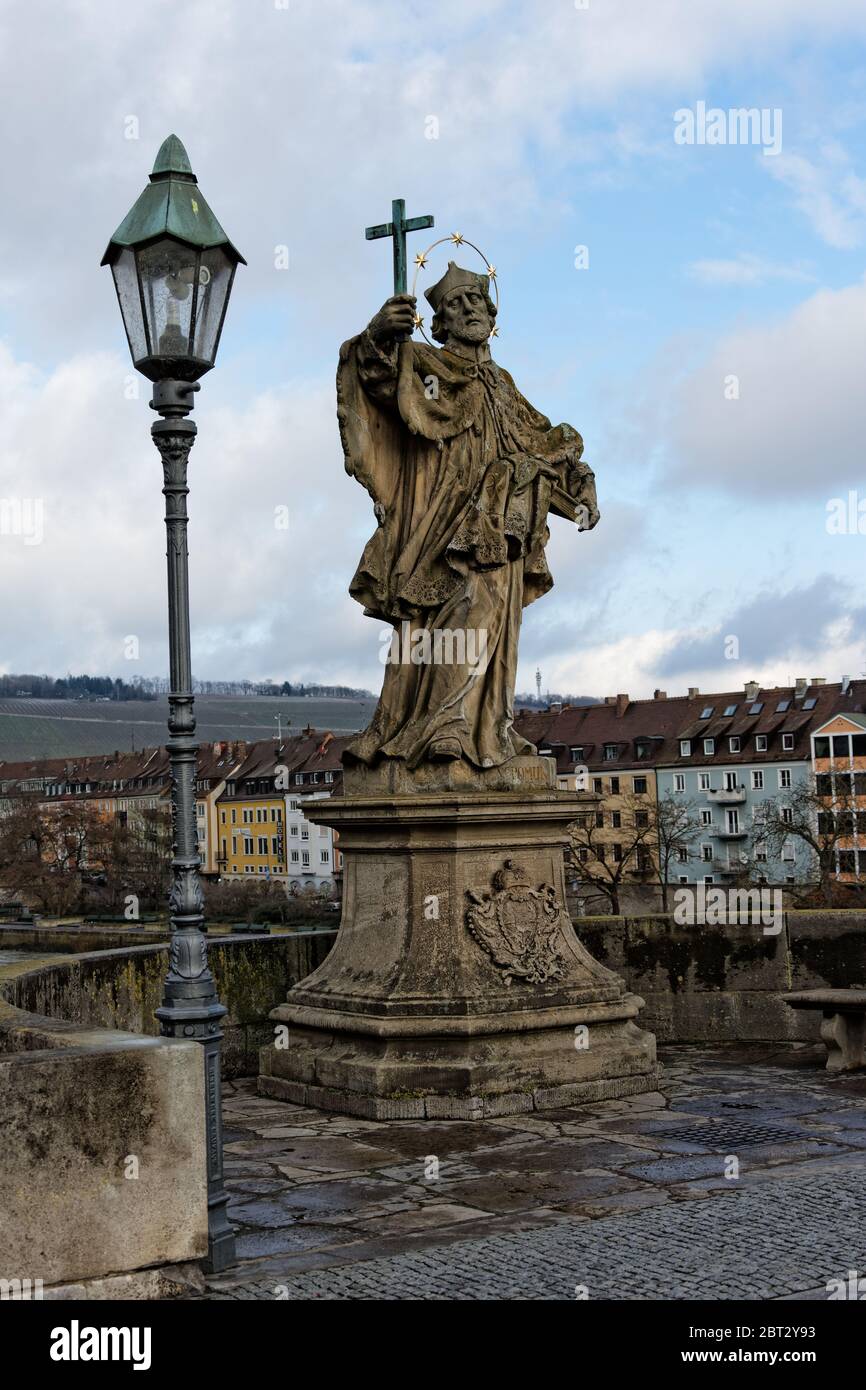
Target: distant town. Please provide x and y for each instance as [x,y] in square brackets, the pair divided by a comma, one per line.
[755,786]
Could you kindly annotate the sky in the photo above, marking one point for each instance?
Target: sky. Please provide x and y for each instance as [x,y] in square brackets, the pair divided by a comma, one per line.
[696,308]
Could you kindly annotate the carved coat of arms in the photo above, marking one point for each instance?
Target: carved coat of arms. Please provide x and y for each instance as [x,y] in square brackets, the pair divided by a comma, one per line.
[520,927]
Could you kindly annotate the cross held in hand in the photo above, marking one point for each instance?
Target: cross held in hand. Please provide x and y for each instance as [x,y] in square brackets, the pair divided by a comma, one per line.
[397,228]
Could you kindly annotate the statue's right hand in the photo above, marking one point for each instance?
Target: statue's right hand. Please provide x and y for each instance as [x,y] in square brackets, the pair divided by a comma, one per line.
[395,319]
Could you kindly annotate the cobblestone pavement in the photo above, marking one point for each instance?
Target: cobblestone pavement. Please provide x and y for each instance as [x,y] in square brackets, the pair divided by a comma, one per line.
[626,1199]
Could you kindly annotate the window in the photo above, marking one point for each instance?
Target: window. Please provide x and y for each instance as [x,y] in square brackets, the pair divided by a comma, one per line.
[294,856]
[329,776]
[325,857]
[682,857]
[858,745]
[707,712]
[761,852]
[733,745]
[610,752]
[683,878]
[707,854]
[275,845]
[708,879]
[583,854]
[597,784]
[679,782]
[599,853]
[787,743]
[293,830]
[730,781]
[706,817]
[263,844]
[729,710]
[840,745]
[784,777]
[616,820]
[599,820]
[733,822]
[782,706]
[577,754]
[305,858]
[614,786]
[305,832]
[641,819]
[756,707]
[760,743]
[787,815]
[787,851]
[617,853]
[234,816]
[685,747]
[709,746]
[810,703]
[704,783]
[757,780]
[639,786]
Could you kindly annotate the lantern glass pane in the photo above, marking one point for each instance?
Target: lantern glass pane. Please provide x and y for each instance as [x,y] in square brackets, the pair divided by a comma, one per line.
[168,270]
[126,284]
[215,275]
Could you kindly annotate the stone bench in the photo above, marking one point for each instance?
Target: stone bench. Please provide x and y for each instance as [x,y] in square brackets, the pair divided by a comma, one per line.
[844,1025]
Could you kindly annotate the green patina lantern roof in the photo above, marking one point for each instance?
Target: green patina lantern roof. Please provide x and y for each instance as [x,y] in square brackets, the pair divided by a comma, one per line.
[171,205]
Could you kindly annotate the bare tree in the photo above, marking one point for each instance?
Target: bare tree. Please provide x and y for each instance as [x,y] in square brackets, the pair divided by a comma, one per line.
[607,864]
[807,813]
[677,826]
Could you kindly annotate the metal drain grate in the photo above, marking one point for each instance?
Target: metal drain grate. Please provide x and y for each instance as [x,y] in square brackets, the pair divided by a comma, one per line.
[720,1138]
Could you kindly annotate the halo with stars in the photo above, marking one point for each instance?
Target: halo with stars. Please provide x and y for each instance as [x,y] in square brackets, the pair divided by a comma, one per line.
[455,239]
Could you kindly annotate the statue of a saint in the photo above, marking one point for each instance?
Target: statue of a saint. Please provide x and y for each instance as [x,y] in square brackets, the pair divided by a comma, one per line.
[462,471]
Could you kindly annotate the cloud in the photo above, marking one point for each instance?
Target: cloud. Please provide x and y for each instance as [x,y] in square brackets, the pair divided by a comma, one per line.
[770,409]
[833,199]
[745,269]
[798,624]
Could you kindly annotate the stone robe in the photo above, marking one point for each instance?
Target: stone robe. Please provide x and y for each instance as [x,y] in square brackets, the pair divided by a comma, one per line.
[460,468]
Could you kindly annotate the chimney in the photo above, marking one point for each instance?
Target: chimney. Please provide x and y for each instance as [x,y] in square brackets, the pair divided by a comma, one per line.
[819,680]
[309,731]
[846,686]
[555,707]
[610,699]
[751,688]
[802,685]
[621,705]
[693,691]
[660,694]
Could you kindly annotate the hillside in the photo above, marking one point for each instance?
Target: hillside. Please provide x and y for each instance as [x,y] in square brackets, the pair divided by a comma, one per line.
[60,728]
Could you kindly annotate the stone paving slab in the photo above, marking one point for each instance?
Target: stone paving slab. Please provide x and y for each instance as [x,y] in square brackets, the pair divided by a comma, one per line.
[762,1243]
[627,1197]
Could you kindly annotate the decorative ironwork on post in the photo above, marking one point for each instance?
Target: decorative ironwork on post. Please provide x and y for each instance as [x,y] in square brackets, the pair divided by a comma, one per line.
[173,269]
[190,1007]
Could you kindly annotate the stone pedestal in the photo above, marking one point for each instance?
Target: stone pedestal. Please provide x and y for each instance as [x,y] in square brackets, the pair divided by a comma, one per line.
[457,986]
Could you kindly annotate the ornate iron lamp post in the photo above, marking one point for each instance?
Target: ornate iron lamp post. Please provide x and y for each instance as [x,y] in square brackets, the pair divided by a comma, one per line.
[173,268]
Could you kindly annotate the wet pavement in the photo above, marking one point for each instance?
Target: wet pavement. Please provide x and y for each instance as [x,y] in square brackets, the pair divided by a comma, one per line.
[744,1176]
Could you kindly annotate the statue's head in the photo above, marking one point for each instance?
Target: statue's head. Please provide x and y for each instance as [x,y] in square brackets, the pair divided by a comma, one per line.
[463,310]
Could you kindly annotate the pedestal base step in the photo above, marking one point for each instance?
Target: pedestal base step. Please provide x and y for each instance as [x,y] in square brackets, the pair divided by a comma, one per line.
[439,1107]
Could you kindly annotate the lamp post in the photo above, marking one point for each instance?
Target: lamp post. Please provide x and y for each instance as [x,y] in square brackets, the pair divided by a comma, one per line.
[173,268]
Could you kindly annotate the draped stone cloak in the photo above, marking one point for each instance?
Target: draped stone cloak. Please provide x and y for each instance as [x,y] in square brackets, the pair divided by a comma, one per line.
[460,468]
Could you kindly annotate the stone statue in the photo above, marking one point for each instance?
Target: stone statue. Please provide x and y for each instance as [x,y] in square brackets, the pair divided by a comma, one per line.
[462,471]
